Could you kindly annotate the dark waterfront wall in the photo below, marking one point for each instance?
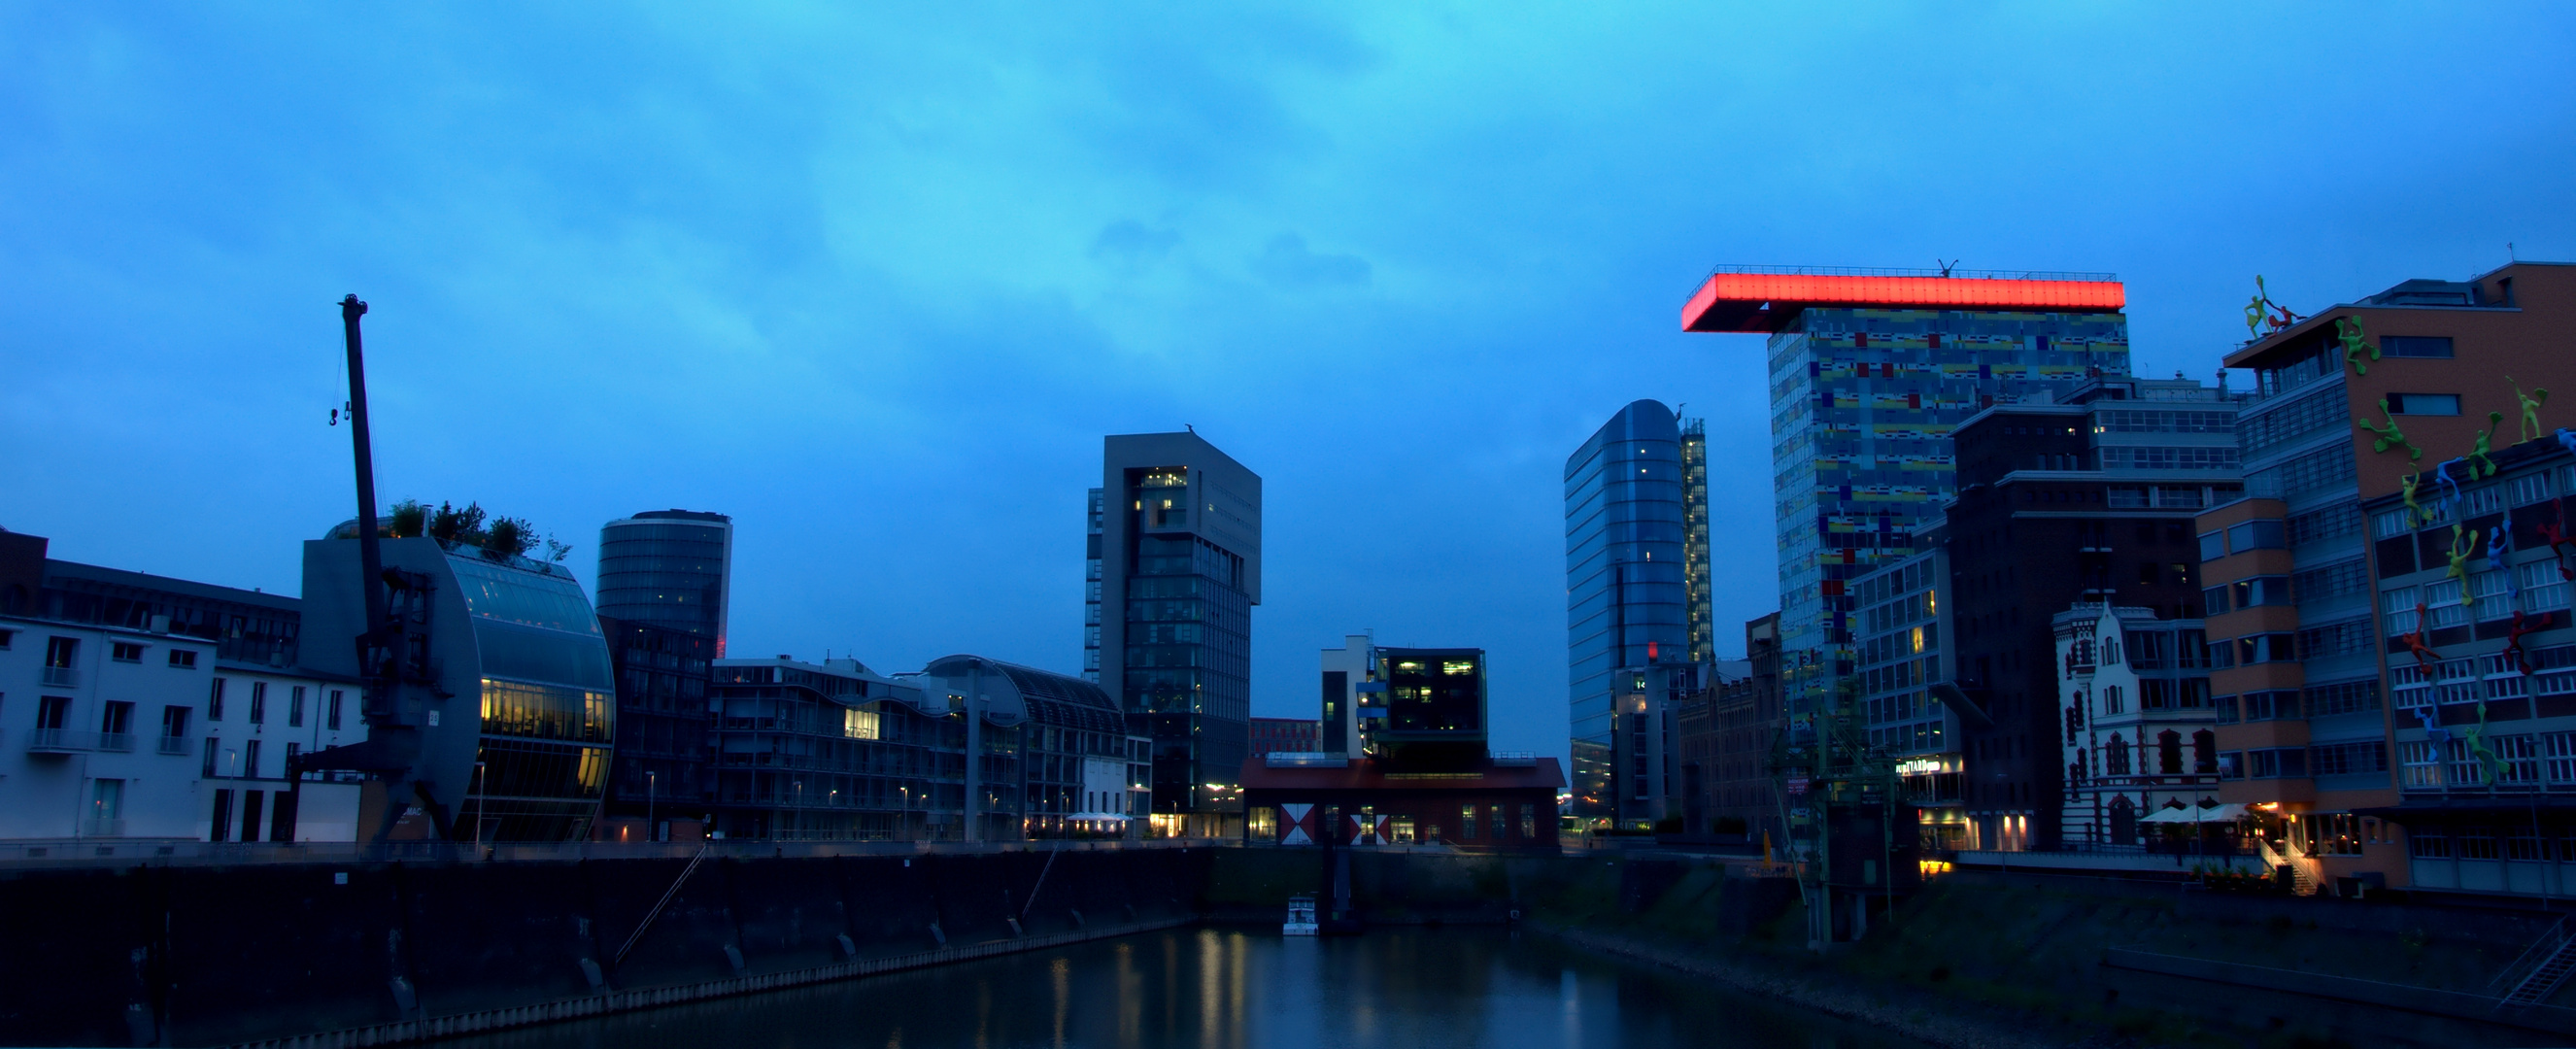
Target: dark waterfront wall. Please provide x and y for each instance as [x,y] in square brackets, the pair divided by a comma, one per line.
[226,955]
[211,956]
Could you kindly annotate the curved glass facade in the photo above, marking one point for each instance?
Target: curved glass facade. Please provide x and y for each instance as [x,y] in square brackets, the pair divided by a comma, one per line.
[1626,575]
[668,568]
[548,715]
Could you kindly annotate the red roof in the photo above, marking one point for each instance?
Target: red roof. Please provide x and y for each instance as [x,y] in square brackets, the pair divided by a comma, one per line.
[1742,301]
[1364,774]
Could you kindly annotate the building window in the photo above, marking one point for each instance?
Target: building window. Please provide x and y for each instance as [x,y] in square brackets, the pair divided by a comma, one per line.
[208,772]
[116,724]
[215,701]
[2204,753]
[1529,822]
[1466,823]
[259,702]
[218,827]
[2420,764]
[123,652]
[2231,764]
[174,724]
[2348,759]
[295,707]
[331,716]
[2256,535]
[2277,763]
[54,712]
[250,762]
[2169,753]
[183,658]
[2256,591]
[2416,346]
[2423,404]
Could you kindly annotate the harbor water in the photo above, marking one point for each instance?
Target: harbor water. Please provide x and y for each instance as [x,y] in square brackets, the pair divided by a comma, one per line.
[1239,988]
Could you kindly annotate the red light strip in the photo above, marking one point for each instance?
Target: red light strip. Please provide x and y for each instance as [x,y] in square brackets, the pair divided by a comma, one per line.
[1735,301]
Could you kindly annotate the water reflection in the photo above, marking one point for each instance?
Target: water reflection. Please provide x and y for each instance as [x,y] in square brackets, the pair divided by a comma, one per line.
[1238,989]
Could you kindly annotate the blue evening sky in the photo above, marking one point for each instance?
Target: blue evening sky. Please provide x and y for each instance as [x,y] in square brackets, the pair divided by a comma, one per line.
[874,279]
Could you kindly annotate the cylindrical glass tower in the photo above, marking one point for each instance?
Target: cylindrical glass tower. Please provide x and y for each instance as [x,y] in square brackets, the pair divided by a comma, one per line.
[668,568]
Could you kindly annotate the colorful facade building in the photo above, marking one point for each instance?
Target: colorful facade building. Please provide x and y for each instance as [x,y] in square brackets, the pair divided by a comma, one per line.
[1870,370]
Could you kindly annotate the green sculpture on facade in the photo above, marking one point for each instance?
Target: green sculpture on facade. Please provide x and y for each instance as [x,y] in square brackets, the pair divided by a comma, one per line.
[2348,331]
[2389,436]
[2261,309]
[2486,441]
[2530,408]
[2459,554]
[2416,515]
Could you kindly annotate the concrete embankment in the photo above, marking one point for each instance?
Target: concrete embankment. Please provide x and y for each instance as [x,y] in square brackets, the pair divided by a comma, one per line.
[319,955]
[372,954]
[1988,960]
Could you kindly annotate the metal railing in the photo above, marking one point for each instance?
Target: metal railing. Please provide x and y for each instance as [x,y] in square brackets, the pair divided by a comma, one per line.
[62,677]
[61,740]
[175,745]
[116,742]
[102,827]
[1884,271]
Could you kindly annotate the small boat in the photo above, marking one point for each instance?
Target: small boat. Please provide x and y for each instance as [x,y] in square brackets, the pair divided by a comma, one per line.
[1301,917]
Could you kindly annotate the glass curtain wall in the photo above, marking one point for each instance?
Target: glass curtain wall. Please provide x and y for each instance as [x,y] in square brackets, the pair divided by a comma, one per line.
[1188,639]
[548,707]
[1626,576]
[668,569]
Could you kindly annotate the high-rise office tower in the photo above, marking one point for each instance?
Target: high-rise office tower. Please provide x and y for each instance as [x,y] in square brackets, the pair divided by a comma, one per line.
[670,569]
[1176,568]
[1635,571]
[1869,370]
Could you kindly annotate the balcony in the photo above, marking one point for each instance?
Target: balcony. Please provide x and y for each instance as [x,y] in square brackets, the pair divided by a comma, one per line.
[60,741]
[175,745]
[62,677]
[116,742]
[102,827]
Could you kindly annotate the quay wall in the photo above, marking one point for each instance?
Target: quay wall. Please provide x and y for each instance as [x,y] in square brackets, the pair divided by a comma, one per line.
[262,953]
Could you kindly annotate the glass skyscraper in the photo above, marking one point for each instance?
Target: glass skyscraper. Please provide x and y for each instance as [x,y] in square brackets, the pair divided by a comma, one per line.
[1175,565]
[670,569]
[1633,574]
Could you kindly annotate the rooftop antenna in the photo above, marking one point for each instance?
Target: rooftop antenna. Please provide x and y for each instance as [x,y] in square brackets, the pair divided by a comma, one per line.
[1945,266]
[2509,256]
[1192,429]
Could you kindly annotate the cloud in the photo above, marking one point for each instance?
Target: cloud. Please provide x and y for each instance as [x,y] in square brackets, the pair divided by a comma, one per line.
[1131,246]
[1288,263]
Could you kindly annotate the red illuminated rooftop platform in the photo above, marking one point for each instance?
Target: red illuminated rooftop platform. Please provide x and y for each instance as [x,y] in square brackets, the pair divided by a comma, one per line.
[1763,298]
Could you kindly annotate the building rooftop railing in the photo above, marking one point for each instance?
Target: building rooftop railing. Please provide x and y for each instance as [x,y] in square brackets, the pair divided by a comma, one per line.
[1883,271]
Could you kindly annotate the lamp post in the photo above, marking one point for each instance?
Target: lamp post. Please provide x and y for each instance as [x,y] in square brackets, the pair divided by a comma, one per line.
[479,806]
[651,781]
